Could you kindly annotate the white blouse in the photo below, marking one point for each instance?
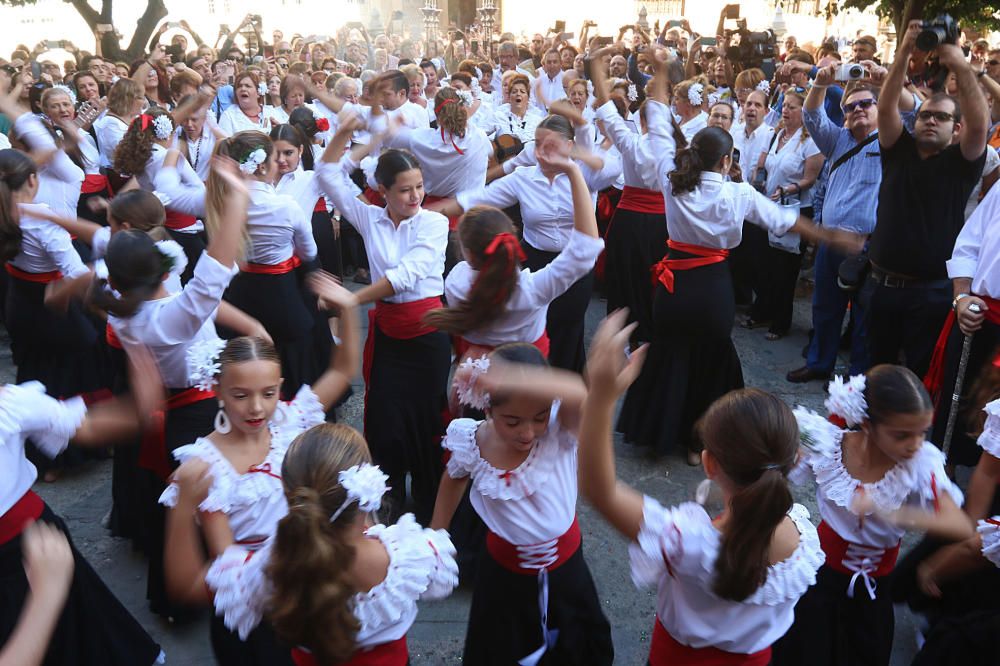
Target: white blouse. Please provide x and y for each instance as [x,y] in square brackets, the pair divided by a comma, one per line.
[46,247]
[25,411]
[110,130]
[712,214]
[447,170]
[303,186]
[421,567]
[977,249]
[676,550]
[254,501]
[524,315]
[506,122]
[533,503]
[187,191]
[410,256]
[91,156]
[233,120]
[200,152]
[277,227]
[695,125]
[60,179]
[751,146]
[639,160]
[788,166]
[989,530]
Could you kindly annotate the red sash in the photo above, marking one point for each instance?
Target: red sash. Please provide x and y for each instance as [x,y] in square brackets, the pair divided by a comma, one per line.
[320,206]
[393,653]
[529,559]
[641,200]
[176,221]
[666,651]
[452,219]
[403,321]
[463,347]
[37,278]
[24,512]
[374,198]
[94,183]
[663,271]
[153,450]
[935,373]
[286,266]
[111,337]
[842,555]
[607,201]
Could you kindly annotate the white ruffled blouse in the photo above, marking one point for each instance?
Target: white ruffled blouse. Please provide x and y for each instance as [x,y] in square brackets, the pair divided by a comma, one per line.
[990,438]
[989,532]
[914,482]
[421,566]
[532,503]
[676,550]
[253,502]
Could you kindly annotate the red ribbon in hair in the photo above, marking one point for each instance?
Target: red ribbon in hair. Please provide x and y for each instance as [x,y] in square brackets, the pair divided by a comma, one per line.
[514,253]
[144,120]
[437,110]
[322,124]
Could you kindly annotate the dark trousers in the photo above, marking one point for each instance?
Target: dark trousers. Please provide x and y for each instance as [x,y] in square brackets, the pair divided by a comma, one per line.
[828,307]
[746,262]
[776,297]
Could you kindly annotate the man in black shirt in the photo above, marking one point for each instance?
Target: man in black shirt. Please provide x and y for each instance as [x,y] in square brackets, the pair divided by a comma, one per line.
[926,181]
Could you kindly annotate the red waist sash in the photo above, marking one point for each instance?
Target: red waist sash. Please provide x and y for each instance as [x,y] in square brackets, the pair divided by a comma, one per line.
[153,450]
[94,183]
[856,560]
[37,278]
[452,219]
[175,220]
[463,347]
[663,271]
[320,206]
[642,200]
[403,321]
[111,337]
[286,266]
[24,512]
[393,653]
[666,651]
[530,559]
[935,373]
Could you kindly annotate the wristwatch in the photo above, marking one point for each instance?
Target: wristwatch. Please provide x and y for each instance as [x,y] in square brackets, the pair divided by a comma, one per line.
[954,303]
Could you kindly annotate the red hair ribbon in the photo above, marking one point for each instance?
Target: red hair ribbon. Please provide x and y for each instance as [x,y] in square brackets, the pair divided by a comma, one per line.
[508,241]
[437,110]
[322,124]
[145,119]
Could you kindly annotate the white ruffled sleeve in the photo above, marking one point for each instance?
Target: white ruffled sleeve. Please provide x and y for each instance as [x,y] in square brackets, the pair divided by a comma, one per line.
[240,587]
[989,532]
[25,410]
[670,539]
[990,439]
[928,479]
[789,579]
[460,442]
[221,494]
[302,413]
[818,438]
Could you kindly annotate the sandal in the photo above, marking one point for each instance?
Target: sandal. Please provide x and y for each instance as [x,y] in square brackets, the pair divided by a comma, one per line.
[750,323]
[772,336]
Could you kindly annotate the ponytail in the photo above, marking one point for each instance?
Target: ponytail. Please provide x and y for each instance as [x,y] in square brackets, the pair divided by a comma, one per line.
[135,269]
[15,170]
[707,149]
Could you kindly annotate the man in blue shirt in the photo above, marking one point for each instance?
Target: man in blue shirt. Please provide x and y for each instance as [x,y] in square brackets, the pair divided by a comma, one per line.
[850,202]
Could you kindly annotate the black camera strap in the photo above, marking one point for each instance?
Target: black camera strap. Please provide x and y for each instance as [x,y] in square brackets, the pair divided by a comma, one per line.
[852,152]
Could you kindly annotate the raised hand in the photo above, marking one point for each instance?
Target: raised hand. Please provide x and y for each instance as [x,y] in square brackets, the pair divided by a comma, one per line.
[608,368]
[193,482]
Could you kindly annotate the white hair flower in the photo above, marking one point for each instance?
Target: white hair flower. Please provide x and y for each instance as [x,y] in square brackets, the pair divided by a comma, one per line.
[476,88]
[694,94]
[816,434]
[253,161]
[764,86]
[66,89]
[465,96]
[365,484]
[203,363]
[261,88]
[466,380]
[633,92]
[163,127]
[175,254]
[847,399]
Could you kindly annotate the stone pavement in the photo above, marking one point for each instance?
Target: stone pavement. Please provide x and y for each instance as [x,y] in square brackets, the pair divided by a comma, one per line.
[83,498]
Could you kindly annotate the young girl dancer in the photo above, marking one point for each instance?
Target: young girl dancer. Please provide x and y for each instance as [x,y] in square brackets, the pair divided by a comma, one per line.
[406,361]
[534,600]
[873,483]
[727,587]
[339,587]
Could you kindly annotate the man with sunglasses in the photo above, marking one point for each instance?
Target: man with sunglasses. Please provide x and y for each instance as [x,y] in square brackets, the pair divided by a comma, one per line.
[926,182]
[853,176]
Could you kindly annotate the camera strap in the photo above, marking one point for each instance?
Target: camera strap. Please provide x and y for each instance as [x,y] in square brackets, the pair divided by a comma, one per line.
[852,152]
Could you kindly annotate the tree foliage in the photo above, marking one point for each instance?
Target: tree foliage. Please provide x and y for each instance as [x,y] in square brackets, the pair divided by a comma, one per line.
[983,16]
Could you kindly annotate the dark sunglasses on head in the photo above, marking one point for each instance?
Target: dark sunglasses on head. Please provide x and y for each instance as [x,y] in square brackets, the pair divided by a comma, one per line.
[850,107]
[940,116]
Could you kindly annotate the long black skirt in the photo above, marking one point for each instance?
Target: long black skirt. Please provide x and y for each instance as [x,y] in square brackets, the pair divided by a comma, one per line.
[327,243]
[193,245]
[634,243]
[832,629]
[567,314]
[93,628]
[261,648]
[505,622]
[406,404]
[278,302]
[691,361]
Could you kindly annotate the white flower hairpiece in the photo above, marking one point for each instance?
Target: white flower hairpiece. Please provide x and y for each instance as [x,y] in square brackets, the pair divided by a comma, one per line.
[476,88]
[764,86]
[261,88]
[365,484]
[816,434]
[713,98]
[163,127]
[694,94]
[847,399]
[253,161]
[467,377]
[66,89]
[174,253]
[465,96]
[203,363]
[633,92]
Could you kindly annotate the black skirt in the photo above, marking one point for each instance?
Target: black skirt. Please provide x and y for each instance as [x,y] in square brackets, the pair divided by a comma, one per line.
[94,627]
[691,363]
[505,622]
[261,648]
[406,405]
[193,245]
[327,243]
[634,243]
[832,629]
[567,314]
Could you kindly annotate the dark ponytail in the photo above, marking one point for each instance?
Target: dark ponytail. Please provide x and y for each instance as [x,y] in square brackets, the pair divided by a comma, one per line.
[707,148]
[15,170]
[754,437]
[293,135]
[135,269]
[304,121]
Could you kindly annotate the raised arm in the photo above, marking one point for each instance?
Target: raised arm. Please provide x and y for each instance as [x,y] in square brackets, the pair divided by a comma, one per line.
[345,359]
[890,125]
[971,100]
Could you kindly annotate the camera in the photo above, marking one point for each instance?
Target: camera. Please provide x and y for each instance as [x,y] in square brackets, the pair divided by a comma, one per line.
[941,30]
[756,49]
[849,71]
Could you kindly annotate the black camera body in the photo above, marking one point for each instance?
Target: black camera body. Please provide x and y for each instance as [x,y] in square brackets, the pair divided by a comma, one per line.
[941,30]
[756,49]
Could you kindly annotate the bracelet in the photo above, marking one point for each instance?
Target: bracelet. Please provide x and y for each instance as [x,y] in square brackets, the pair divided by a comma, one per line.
[820,86]
[954,303]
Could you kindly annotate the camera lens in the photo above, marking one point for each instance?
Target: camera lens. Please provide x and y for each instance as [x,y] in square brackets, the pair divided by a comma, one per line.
[855,72]
[930,37]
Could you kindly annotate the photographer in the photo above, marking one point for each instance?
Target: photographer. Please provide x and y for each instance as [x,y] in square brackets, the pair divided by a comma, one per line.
[926,182]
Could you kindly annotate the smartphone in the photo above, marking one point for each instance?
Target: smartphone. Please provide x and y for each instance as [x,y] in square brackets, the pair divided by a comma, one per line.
[674,24]
[474,44]
[173,24]
[560,27]
[731,12]
[354,25]
[601,42]
[708,41]
[53,44]
[566,36]
[224,26]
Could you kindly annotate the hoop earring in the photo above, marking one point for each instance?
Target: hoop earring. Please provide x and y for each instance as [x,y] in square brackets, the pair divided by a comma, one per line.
[222,424]
[702,492]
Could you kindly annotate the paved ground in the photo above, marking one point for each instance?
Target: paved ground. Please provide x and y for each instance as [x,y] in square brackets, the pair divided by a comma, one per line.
[83,498]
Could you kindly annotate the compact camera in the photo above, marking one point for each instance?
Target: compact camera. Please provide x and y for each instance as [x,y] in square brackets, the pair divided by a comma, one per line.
[941,30]
[849,71]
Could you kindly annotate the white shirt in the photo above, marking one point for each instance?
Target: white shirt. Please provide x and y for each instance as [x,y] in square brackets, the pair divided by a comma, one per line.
[751,146]
[552,89]
[785,166]
[992,162]
[408,114]
[233,120]
[676,550]
[524,314]
[277,226]
[46,247]
[712,214]
[281,116]
[200,152]
[303,186]
[532,503]
[694,125]
[25,411]
[410,256]
[638,158]
[977,248]
[447,171]
[506,122]
[91,156]
[60,179]
[184,190]
[110,130]
[169,326]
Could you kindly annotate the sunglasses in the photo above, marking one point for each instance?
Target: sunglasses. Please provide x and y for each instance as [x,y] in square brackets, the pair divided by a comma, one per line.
[940,116]
[993,63]
[866,104]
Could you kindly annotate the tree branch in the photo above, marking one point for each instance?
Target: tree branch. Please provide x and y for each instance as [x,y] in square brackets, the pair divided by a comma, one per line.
[155,11]
[88,13]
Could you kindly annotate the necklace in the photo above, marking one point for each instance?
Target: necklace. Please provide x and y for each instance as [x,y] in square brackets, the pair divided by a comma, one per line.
[197,150]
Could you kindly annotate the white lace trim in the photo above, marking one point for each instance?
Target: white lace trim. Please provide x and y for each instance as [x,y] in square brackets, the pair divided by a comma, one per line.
[240,587]
[55,421]
[990,534]
[990,439]
[685,534]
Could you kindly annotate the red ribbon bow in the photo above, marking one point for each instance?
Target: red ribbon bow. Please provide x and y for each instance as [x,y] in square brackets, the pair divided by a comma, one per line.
[322,124]
[144,120]
[509,242]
